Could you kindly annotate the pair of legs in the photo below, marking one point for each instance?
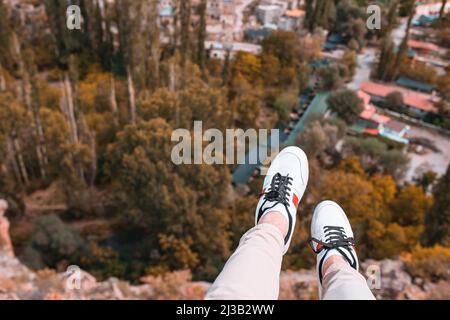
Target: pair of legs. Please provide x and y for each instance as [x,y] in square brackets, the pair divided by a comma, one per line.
[253,271]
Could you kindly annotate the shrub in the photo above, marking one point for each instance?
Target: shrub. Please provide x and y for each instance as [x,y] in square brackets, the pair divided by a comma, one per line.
[53,244]
[174,285]
[431,263]
[103,262]
[346,104]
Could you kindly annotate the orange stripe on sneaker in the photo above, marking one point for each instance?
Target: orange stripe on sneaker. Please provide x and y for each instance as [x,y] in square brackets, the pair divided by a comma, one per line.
[319,246]
[295,200]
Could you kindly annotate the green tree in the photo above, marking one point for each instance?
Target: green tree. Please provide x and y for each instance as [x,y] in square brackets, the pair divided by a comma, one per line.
[185,21]
[351,21]
[314,140]
[426,179]
[437,221]
[157,197]
[6,55]
[408,7]
[330,77]
[246,104]
[284,103]
[53,244]
[394,162]
[442,10]
[15,131]
[201,53]
[346,104]
[304,75]
[349,59]
[283,45]
[394,100]
[387,58]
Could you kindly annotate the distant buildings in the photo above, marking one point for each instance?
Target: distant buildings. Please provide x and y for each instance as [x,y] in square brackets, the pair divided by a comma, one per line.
[423,48]
[291,20]
[334,41]
[415,85]
[219,49]
[431,9]
[257,34]
[214,9]
[276,14]
[269,14]
[217,8]
[417,105]
[371,122]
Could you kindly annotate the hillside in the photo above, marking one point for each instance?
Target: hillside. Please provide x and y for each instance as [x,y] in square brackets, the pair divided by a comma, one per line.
[17,282]
[135,137]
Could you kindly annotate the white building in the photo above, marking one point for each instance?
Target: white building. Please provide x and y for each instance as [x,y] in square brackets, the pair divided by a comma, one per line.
[292,20]
[219,49]
[268,14]
[217,8]
[431,9]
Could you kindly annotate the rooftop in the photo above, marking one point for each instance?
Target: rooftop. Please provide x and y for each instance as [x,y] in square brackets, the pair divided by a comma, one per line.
[296,13]
[234,46]
[268,7]
[396,125]
[364,97]
[414,44]
[412,99]
[317,106]
[415,85]
[370,113]
[166,12]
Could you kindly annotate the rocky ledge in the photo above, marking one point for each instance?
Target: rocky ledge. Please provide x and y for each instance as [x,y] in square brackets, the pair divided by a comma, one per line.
[19,282]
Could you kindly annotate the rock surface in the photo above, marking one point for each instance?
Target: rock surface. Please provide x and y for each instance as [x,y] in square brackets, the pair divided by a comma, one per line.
[19,282]
[387,278]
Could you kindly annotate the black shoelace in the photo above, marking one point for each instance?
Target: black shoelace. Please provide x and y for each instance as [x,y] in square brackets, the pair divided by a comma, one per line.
[335,238]
[278,192]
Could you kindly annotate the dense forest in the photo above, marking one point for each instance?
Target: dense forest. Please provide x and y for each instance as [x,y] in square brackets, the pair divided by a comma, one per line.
[86,118]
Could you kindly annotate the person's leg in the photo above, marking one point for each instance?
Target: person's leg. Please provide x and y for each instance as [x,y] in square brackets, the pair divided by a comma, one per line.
[253,271]
[337,262]
[342,282]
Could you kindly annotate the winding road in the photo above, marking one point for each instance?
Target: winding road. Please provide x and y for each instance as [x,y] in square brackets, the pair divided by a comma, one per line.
[239,17]
[368,57]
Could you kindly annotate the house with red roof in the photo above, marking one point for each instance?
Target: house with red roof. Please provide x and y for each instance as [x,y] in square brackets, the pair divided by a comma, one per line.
[372,122]
[415,104]
[423,48]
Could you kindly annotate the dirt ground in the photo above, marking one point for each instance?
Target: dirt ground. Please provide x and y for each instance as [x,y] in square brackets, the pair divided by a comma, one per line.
[436,161]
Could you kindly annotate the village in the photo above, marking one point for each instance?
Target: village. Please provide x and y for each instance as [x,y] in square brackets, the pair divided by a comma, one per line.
[135,143]
[234,25]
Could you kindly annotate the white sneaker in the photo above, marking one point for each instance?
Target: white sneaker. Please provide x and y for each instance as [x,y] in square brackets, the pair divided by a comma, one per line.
[331,234]
[284,187]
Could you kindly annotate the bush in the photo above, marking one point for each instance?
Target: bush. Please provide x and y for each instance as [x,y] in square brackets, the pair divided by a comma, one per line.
[284,103]
[346,104]
[53,244]
[173,285]
[103,262]
[395,101]
[429,263]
